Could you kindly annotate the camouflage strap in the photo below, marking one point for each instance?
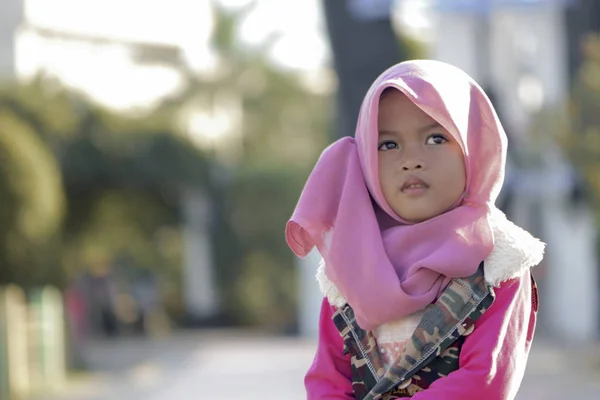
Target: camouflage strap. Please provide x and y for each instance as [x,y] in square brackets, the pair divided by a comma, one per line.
[534,294]
[447,361]
[367,365]
[443,323]
[431,352]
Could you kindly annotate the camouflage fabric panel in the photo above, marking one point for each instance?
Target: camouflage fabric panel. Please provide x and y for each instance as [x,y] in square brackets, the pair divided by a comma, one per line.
[367,365]
[439,367]
[448,361]
[444,322]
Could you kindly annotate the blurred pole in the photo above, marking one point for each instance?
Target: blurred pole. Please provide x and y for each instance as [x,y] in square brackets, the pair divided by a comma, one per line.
[572,281]
[48,337]
[11,18]
[14,360]
[4,366]
[200,291]
[363,44]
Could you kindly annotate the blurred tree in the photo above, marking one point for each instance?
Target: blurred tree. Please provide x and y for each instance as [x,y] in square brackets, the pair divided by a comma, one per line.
[581,18]
[364,44]
[121,176]
[268,114]
[247,132]
[277,126]
[265,288]
[32,208]
[581,136]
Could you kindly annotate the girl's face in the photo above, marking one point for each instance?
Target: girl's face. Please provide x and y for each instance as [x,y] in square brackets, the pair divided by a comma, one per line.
[421,166]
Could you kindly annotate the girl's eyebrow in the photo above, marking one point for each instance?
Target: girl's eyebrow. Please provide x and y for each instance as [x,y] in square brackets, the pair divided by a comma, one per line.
[429,127]
[423,129]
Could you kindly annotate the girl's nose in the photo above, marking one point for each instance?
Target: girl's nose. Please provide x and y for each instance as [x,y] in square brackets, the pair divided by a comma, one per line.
[411,165]
[412,159]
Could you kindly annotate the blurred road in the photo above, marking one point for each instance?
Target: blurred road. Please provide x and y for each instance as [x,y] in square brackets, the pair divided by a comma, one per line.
[232,365]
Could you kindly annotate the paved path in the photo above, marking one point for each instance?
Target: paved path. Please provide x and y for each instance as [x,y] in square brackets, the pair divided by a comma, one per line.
[224,365]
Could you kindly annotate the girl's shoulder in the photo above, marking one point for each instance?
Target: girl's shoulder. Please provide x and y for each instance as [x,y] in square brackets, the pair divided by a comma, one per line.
[515,250]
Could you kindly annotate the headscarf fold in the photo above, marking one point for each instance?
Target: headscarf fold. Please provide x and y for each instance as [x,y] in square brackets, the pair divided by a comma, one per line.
[385,267]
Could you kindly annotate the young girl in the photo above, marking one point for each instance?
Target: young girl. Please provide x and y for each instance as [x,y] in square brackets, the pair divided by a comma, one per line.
[427,286]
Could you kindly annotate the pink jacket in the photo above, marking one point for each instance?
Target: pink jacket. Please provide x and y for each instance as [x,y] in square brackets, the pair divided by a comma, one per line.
[492,359]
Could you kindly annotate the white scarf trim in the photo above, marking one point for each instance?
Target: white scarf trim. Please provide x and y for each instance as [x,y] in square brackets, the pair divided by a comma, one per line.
[515,251]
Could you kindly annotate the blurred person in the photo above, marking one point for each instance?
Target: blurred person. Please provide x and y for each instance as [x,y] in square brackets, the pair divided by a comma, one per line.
[428,291]
[144,290]
[76,309]
[102,295]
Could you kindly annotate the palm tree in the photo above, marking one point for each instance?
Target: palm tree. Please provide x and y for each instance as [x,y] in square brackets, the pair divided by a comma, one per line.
[267,128]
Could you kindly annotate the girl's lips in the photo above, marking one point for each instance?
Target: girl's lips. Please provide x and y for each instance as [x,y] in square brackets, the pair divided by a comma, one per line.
[414,186]
[415,190]
[413,183]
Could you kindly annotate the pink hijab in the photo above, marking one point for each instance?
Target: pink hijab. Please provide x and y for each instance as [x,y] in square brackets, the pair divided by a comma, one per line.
[385,267]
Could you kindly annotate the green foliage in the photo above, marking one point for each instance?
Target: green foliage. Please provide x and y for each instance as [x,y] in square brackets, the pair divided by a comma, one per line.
[48,108]
[283,129]
[32,208]
[281,120]
[144,159]
[125,224]
[264,282]
[119,178]
[580,138]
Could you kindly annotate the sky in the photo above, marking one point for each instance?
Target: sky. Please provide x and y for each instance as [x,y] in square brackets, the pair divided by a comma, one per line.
[187,23]
[117,81]
[109,74]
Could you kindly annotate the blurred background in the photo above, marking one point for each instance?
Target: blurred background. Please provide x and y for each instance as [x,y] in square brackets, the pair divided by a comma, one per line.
[151,152]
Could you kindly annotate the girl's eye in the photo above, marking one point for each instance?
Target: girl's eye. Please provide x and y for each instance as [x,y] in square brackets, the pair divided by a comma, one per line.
[387,145]
[437,139]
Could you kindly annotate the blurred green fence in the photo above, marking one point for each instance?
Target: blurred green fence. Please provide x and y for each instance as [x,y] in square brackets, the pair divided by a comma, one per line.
[32,341]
